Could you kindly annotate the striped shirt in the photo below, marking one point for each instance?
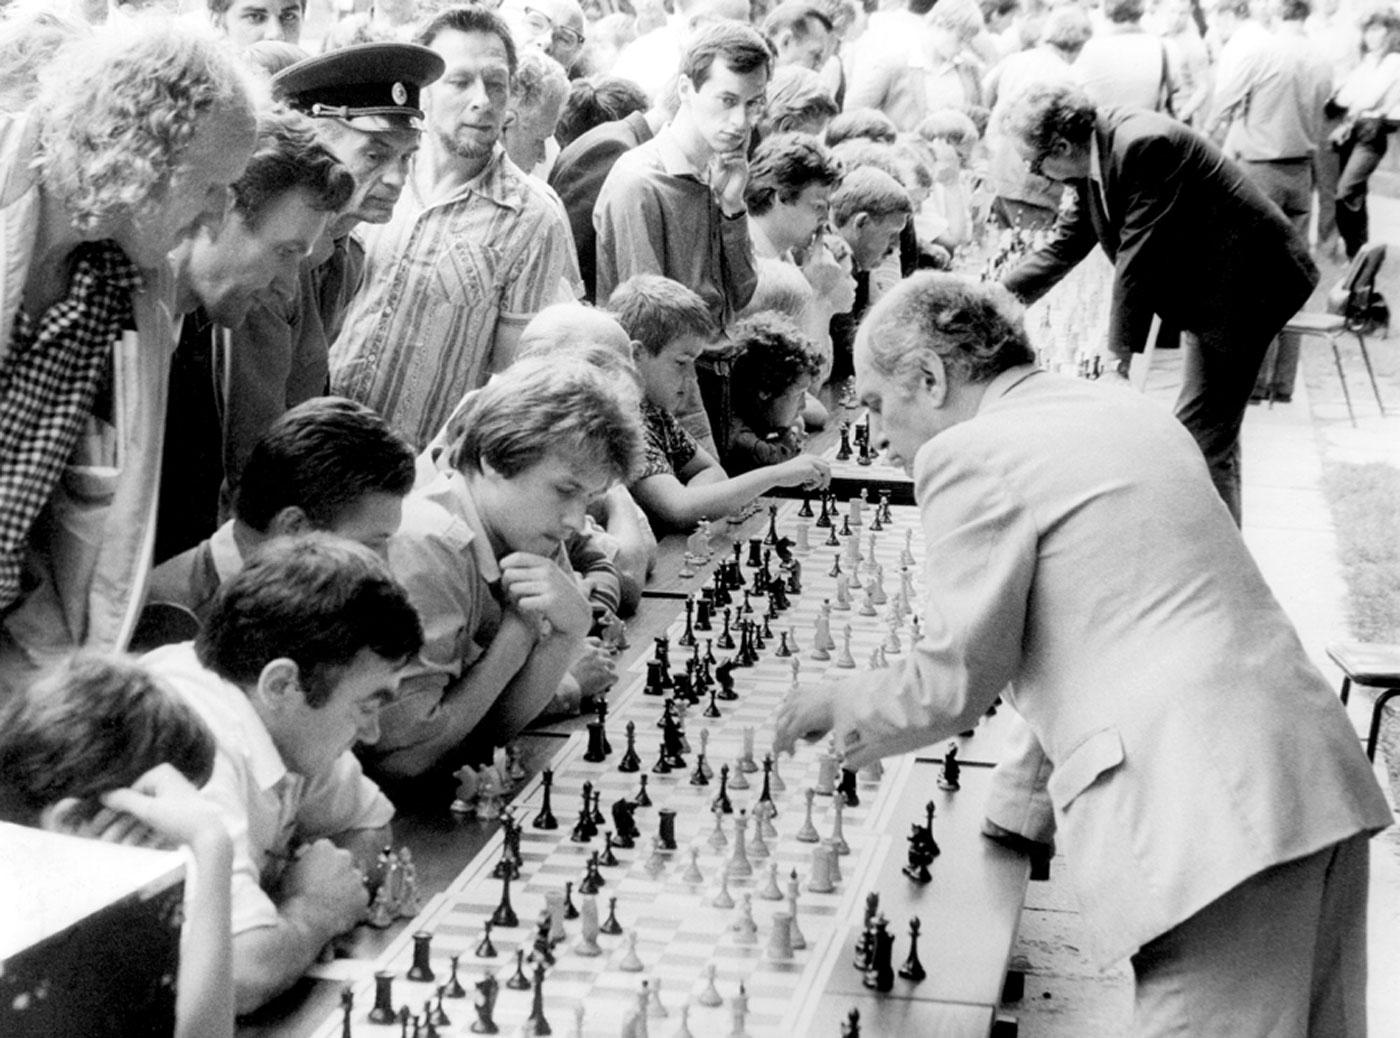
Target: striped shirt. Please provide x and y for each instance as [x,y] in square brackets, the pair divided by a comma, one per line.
[440,279]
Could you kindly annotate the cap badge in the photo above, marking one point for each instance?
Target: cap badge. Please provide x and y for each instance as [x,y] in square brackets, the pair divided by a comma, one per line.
[399,93]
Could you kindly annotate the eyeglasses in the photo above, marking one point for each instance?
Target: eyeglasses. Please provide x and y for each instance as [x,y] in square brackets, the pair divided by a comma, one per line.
[561,34]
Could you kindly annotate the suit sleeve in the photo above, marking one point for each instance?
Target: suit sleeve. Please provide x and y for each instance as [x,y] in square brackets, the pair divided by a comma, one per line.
[1150,186]
[982,541]
[1070,241]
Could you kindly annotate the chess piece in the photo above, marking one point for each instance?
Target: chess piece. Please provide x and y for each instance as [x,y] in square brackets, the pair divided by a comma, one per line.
[808,833]
[608,858]
[454,987]
[655,1009]
[709,995]
[610,925]
[746,760]
[630,962]
[843,592]
[770,891]
[438,1016]
[487,988]
[827,768]
[913,969]
[950,777]
[697,774]
[545,819]
[780,938]
[744,927]
[537,1022]
[723,898]
[518,981]
[835,869]
[819,879]
[683,1029]
[775,780]
[848,790]
[851,1027]
[757,845]
[383,1010]
[798,940]
[692,873]
[347,1005]
[630,761]
[721,801]
[879,975]
[485,949]
[642,799]
[820,632]
[739,1012]
[737,779]
[717,840]
[593,880]
[504,915]
[554,905]
[803,543]
[421,970]
[739,865]
[838,835]
[705,754]
[587,945]
[844,659]
[666,826]
[625,830]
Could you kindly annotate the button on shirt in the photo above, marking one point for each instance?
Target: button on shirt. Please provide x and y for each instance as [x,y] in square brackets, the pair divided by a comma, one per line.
[440,278]
[267,809]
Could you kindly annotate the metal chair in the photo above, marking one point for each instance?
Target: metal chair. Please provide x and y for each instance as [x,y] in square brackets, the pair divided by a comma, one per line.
[1355,291]
[1376,666]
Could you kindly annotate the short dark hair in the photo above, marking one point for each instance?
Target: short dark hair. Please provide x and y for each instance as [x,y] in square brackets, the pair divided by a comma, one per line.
[315,599]
[772,356]
[784,166]
[470,18]
[796,97]
[1047,112]
[868,123]
[1294,10]
[1122,12]
[656,311]
[322,456]
[593,102]
[976,329]
[217,7]
[738,46]
[560,404]
[795,17]
[870,191]
[287,158]
[90,724]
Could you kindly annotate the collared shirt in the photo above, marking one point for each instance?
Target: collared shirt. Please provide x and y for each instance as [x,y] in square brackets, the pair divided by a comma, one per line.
[440,277]
[192,578]
[1126,66]
[267,809]
[1272,88]
[443,557]
[656,214]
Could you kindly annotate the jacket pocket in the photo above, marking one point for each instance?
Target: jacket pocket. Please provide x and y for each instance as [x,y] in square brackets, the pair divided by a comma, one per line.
[1097,755]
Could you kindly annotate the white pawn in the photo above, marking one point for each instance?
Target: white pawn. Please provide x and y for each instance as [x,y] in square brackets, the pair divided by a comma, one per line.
[683,1030]
[874,663]
[746,761]
[764,813]
[780,938]
[630,962]
[554,904]
[838,835]
[758,846]
[853,551]
[770,891]
[843,593]
[906,557]
[692,873]
[854,512]
[775,781]
[723,899]
[795,665]
[737,778]
[587,945]
[654,1007]
[709,994]
[798,941]
[878,592]
[808,833]
[845,660]
[718,841]
[892,642]
[745,929]
[656,864]
[867,602]
[635,1023]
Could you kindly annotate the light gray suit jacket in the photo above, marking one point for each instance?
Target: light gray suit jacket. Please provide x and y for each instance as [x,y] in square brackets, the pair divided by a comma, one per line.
[1077,551]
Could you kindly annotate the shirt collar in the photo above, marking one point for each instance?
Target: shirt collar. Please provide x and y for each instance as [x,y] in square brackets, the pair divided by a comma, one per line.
[454,484]
[673,160]
[494,183]
[1004,383]
[224,553]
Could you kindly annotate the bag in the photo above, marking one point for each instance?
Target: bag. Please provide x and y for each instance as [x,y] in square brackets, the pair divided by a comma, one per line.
[1363,316]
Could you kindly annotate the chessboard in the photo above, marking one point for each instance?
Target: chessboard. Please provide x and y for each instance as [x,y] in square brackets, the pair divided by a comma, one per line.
[727,845]
[857,465]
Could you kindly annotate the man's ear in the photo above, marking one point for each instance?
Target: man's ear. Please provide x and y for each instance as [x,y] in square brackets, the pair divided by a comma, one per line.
[279,684]
[934,377]
[638,350]
[289,521]
[859,220]
[685,89]
[509,120]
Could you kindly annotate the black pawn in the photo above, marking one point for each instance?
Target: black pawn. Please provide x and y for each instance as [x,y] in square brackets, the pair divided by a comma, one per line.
[440,1018]
[608,858]
[570,909]
[722,800]
[610,925]
[846,526]
[630,761]
[505,914]
[825,518]
[642,799]
[537,1021]
[596,815]
[383,1011]
[454,987]
[843,452]
[805,512]
[725,639]
[832,541]
[913,969]
[713,709]
[486,950]
[519,982]
[835,566]
[697,776]
[688,638]
[545,819]
[661,767]
[421,970]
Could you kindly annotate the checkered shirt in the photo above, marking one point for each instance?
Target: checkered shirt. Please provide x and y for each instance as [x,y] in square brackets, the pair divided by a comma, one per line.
[47,390]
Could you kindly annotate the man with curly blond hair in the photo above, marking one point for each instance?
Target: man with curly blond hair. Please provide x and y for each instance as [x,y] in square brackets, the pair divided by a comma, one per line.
[99,180]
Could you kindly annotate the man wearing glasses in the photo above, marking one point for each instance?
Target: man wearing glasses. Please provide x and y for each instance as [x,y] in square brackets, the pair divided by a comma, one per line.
[554,26]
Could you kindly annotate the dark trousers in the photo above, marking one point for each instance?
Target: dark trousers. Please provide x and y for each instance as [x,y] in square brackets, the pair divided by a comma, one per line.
[1359,161]
[1219,366]
[1288,184]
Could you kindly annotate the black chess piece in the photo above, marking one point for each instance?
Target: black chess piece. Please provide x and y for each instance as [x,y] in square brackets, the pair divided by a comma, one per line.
[642,799]
[847,790]
[697,774]
[600,708]
[913,969]
[654,686]
[585,828]
[851,1027]
[487,988]
[485,949]
[805,512]
[504,915]
[846,525]
[537,1021]
[347,1005]
[383,1011]
[726,638]
[422,969]
[687,639]
[570,909]
[543,949]
[454,987]
[661,767]
[824,519]
[610,925]
[437,1015]
[630,761]
[879,975]
[872,908]
[725,675]
[545,819]
[666,828]
[595,815]
[722,800]
[832,541]
[766,796]
[712,710]
[702,615]
[843,453]
[592,881]
[876,523]
[608,858]
[518,980]
[624,826]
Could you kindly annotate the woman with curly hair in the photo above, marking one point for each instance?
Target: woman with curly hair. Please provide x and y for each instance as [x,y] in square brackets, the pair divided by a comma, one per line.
[99,179]
[1369,95]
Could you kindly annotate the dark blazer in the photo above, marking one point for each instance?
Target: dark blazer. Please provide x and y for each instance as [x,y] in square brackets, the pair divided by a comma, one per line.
[578,176]
[1192,239]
